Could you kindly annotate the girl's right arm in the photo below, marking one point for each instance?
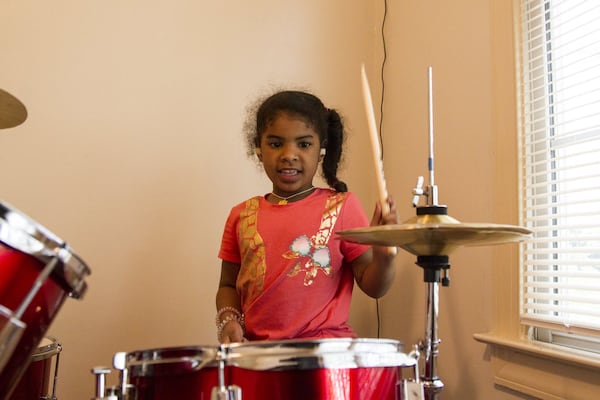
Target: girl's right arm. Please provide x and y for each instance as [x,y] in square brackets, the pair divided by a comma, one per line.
[229,310]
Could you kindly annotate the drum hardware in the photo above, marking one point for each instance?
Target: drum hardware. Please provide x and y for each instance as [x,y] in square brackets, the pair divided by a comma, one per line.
[101,390]
[55,378]
[412,389]
[223,391]
[10,333]
[432,235]
[12,111]
[123,390]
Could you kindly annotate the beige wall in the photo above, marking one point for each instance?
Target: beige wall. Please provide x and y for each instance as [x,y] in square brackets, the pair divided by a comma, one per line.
[133,154]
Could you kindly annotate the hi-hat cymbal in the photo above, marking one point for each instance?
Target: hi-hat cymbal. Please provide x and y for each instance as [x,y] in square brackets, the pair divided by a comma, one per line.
[436,235]
[12,111]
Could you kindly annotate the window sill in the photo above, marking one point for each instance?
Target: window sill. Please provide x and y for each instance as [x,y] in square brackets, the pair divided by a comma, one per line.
[543,370]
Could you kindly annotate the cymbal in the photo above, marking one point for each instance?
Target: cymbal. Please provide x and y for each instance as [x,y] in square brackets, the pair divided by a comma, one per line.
[428,235]
[12,111]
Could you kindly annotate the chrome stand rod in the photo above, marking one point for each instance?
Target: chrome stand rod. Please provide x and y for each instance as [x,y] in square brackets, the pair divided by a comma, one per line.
[432,268]
[429,347]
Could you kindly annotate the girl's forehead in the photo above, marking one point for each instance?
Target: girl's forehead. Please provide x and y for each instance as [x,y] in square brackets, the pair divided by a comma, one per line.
[289,125]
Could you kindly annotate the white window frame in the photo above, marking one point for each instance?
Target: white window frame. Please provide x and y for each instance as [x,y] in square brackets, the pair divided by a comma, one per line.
[541,370]
[559,138]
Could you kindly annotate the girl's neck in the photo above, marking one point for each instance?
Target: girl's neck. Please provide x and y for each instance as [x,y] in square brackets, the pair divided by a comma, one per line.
[274,198]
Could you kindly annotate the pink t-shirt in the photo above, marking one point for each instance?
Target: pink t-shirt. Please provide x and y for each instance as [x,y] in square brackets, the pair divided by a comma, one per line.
[295,279]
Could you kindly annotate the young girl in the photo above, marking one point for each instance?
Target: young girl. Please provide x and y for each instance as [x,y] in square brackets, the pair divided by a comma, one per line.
[284,274]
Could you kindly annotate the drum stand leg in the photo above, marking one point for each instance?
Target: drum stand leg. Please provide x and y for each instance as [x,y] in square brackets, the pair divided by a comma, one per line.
[55,379]
[429,346]
[223,392]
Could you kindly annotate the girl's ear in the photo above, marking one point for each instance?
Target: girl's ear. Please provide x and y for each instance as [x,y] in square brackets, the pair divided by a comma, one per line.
[322,153]
[258,153]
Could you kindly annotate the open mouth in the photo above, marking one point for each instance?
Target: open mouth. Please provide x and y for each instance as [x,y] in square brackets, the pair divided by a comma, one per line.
[288,172]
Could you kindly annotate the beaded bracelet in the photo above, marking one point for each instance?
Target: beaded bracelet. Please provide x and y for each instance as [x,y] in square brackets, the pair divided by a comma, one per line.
[237,316]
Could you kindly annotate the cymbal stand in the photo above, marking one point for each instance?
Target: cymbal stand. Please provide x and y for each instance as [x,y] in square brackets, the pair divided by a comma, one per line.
[429,346]
[432,266]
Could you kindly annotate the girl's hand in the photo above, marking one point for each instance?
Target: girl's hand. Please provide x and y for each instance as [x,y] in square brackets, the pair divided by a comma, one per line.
[390,218]
[374,270]
[232,333]
[378,219]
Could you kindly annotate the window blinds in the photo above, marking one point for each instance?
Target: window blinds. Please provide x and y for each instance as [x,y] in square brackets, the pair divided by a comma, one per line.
[558,53]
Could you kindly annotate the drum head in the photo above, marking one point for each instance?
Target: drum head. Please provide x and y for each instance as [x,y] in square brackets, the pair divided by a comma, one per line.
[323,353]
[170,361]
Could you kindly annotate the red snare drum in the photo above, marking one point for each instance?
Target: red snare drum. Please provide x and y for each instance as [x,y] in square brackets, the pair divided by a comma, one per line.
[182,373]
[326,369]
[37,272]
[35,383]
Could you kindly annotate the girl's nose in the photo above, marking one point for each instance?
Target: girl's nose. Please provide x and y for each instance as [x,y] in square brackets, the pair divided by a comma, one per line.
[289,153]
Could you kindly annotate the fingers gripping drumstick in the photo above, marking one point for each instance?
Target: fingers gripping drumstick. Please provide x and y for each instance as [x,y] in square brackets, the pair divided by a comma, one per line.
[375,146]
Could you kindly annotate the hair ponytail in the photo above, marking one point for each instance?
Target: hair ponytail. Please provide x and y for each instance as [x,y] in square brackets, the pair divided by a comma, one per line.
[333,144]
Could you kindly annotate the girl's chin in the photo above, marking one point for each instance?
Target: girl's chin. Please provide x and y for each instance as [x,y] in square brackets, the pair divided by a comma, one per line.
[288,182]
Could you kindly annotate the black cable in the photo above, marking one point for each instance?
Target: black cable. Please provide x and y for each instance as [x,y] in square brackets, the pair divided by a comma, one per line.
[385,8]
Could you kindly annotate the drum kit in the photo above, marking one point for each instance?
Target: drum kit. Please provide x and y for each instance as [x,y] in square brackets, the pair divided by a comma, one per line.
[38,271]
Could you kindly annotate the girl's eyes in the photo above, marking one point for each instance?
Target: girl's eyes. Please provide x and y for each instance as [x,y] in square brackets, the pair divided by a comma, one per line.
[302,145]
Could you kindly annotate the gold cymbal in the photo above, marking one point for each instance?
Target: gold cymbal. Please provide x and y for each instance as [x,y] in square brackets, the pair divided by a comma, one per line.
[12,111]
[428,235]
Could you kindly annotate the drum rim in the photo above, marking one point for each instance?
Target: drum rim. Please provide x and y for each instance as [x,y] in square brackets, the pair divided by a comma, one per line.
[156,354]
[259,355]
[48,350]
[141,363]
[22,233]
[339,340]
[343,353]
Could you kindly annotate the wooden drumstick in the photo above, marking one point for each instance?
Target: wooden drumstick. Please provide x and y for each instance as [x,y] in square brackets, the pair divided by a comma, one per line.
[375,147]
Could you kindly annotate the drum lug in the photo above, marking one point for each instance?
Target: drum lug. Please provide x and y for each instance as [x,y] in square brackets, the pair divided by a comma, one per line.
[413,389]
[231,392]
[122,391]
[125,390]
[223,392]
[100,374]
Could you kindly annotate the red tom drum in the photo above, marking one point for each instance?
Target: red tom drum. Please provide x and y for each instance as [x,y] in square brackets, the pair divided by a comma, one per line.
[182,373]
[35,382]
[38,271]
[326,369]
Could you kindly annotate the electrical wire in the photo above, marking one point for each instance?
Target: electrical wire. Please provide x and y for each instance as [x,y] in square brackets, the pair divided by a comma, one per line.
[385,10]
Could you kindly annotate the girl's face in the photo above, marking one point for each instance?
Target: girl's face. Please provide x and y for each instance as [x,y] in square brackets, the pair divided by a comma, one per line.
[289,152]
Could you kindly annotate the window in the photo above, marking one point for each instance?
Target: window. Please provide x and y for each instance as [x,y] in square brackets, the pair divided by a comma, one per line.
[559,161]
